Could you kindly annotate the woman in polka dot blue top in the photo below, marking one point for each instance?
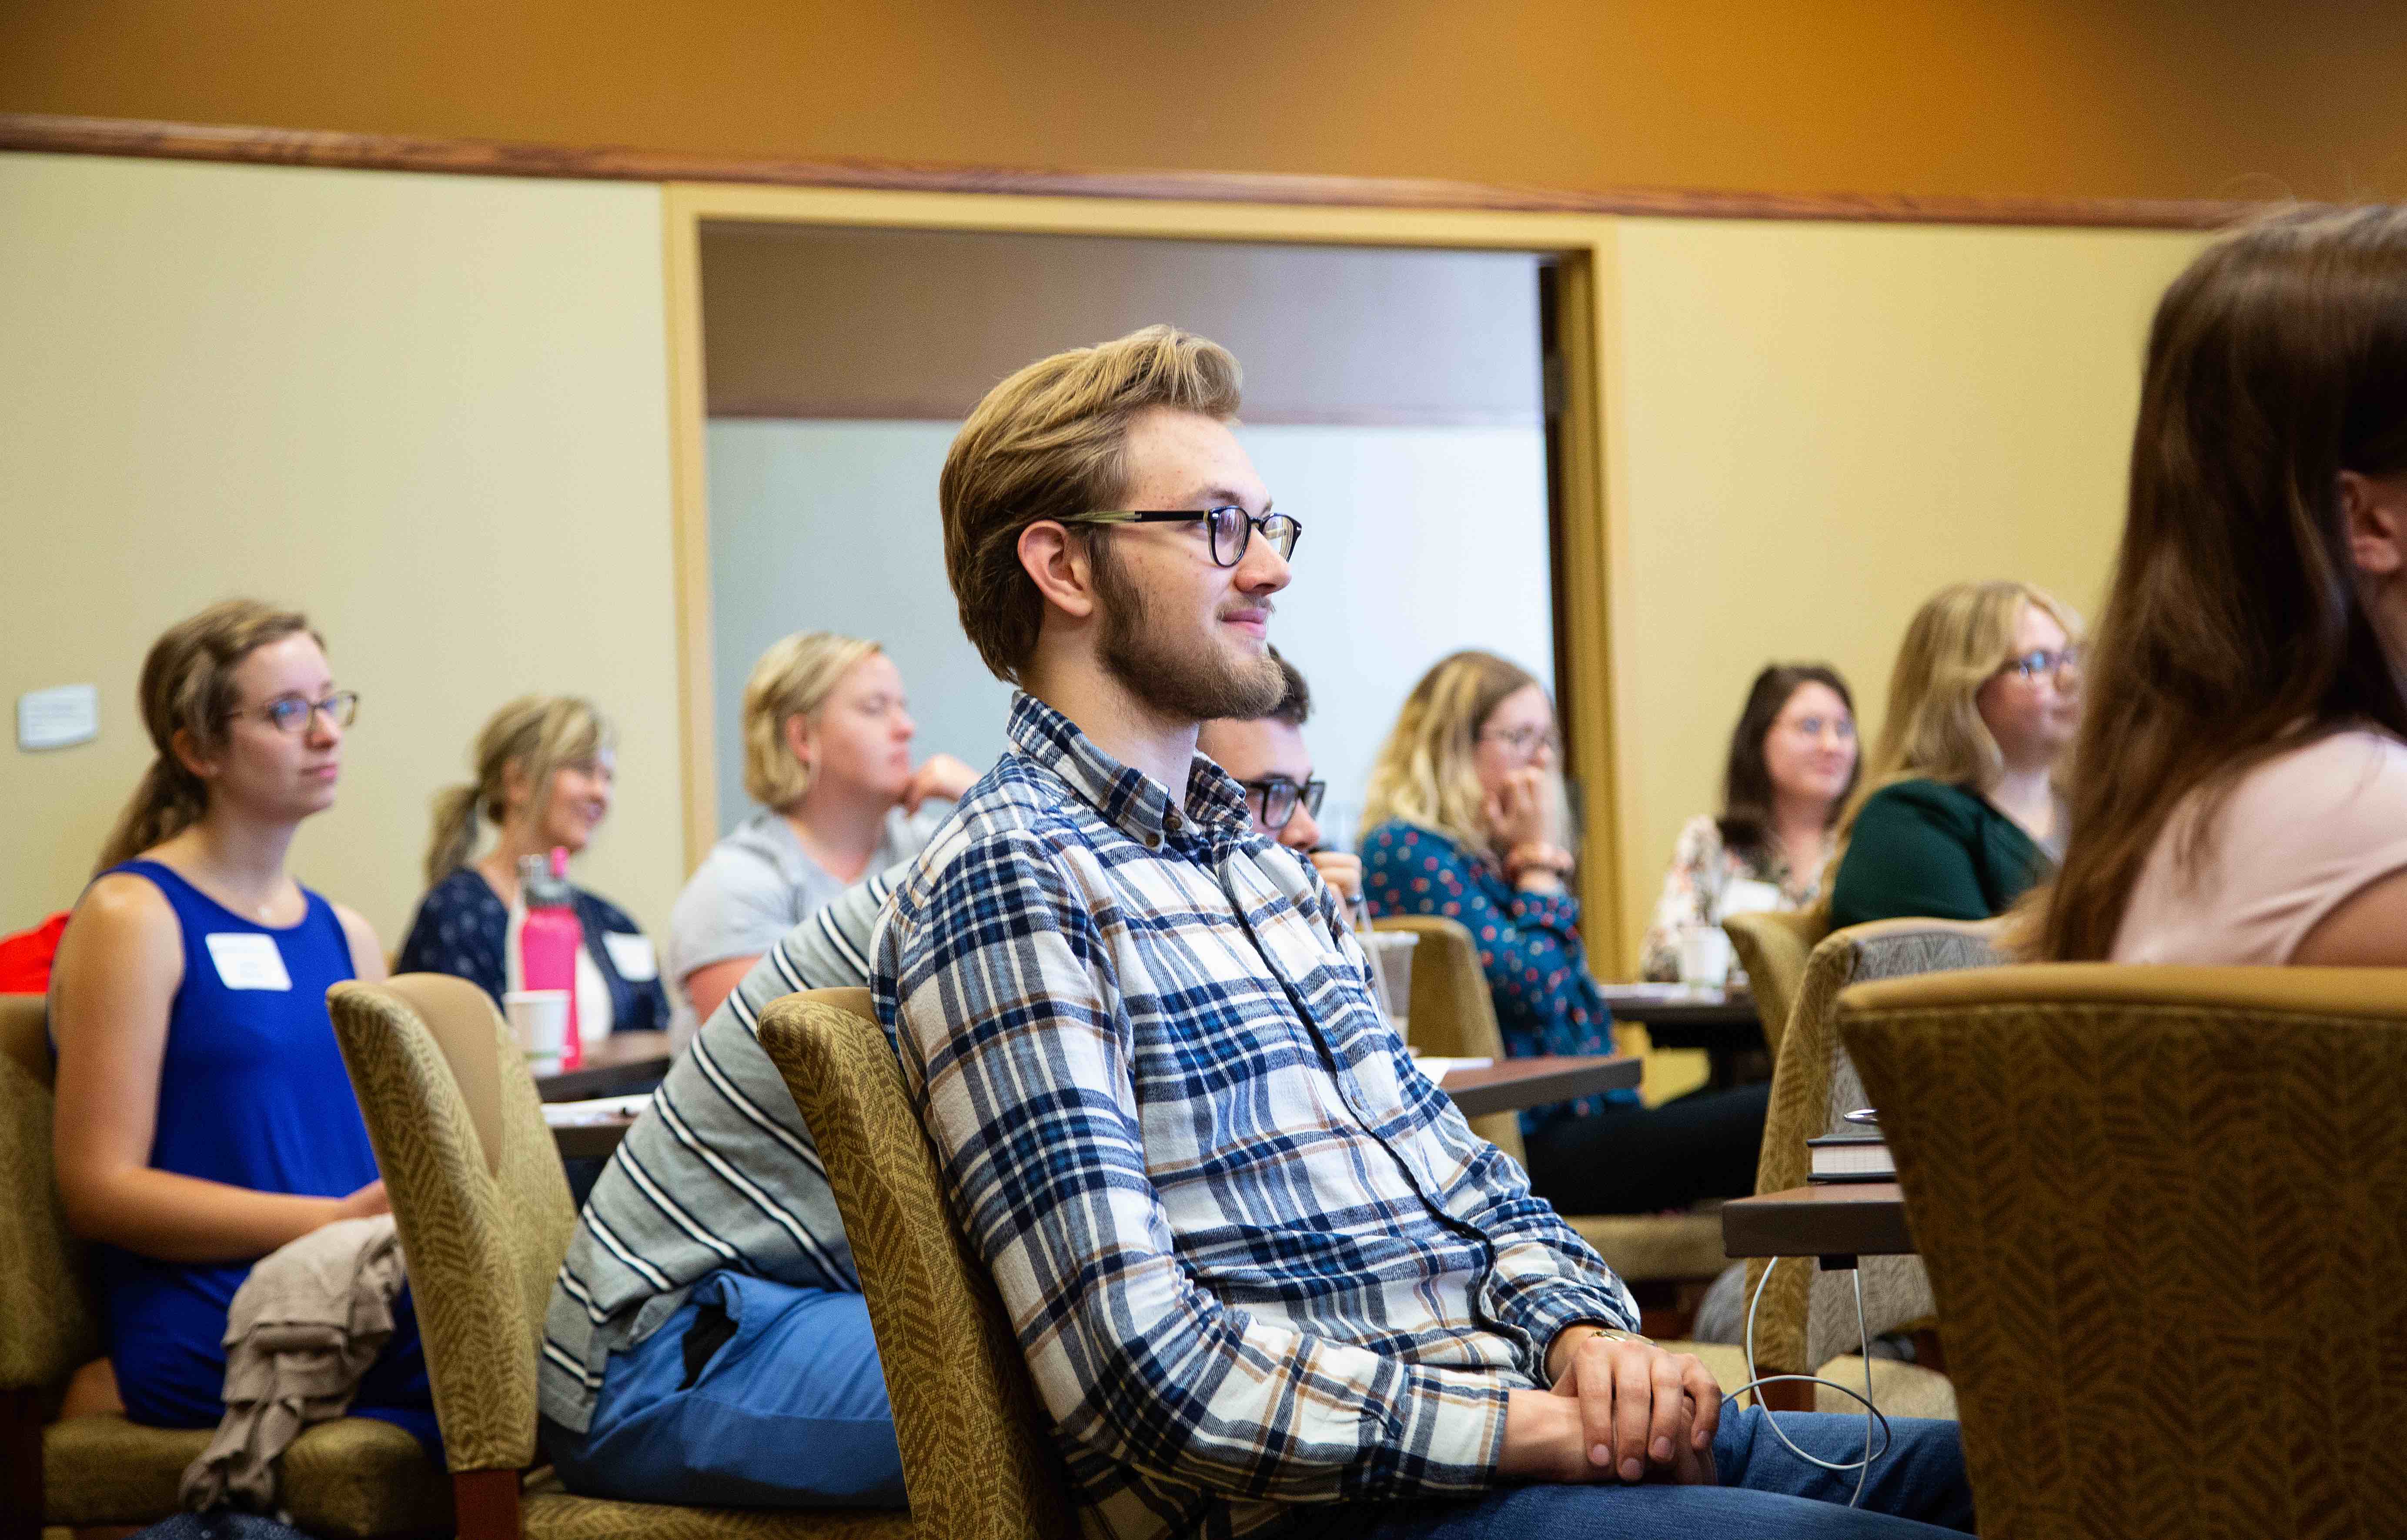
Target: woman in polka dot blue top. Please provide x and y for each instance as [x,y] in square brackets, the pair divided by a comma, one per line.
[1466,807]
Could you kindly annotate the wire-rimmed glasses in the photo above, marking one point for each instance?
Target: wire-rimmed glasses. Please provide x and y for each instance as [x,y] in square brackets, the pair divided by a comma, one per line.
[293,713]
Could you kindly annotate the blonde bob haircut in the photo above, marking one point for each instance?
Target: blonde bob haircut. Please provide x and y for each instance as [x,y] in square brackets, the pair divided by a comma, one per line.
[541,734]
[1426,772]
[794,678]
[1048,443]
[1956,642]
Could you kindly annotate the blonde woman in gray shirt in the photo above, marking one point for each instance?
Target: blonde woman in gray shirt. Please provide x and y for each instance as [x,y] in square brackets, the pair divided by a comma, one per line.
[827,753]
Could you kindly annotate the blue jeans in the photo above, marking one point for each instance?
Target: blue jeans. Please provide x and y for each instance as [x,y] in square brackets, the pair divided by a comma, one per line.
[1918,1489]
[752,1395]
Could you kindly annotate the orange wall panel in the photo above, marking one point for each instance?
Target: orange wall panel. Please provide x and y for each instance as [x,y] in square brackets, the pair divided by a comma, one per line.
[2001,98]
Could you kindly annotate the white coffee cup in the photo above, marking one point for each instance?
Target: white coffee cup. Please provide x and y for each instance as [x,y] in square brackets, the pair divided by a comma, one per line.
[1705,956]
[539,1021]
[1393,952]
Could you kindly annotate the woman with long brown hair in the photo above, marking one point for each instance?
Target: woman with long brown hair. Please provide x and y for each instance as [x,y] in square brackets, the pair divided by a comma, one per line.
[1466,816]
[2245,799]
[1792,763]
[205,1118]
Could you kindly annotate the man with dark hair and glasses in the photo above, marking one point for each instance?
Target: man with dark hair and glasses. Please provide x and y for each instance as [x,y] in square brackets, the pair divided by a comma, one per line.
[1266,757]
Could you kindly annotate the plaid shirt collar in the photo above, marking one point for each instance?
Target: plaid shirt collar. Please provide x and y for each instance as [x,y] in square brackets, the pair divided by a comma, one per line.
[1130,800]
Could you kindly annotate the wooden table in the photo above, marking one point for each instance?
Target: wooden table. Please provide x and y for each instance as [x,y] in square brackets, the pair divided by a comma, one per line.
[1506,1086]
[1836,1222]
[621,1065]
[1725,1026]
[1510,1085]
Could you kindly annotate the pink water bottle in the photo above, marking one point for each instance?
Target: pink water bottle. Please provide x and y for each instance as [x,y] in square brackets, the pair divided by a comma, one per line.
[549,939]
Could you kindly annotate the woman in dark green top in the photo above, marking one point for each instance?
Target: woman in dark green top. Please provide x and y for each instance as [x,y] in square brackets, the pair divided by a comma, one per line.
[1966,817]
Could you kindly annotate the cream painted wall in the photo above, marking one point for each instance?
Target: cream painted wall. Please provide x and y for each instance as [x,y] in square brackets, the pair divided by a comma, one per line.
[1814,426]
[432,410]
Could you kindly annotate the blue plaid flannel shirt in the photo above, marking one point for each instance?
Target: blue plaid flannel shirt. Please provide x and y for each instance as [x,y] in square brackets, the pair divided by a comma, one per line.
[1255,1259]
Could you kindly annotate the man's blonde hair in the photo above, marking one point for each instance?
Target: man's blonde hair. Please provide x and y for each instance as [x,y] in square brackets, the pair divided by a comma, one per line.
[794,678]
[1427,772]
[1048,443]
[1956,642]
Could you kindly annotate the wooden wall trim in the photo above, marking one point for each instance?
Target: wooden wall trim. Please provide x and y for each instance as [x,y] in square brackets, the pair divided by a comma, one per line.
[480,157]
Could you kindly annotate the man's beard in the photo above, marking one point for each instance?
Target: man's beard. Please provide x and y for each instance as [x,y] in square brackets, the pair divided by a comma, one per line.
[1190,684]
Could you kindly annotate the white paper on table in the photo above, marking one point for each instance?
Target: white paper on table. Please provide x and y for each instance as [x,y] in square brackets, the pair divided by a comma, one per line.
[1438,1069]
[1746,895]
[600,1109]
[1647,992]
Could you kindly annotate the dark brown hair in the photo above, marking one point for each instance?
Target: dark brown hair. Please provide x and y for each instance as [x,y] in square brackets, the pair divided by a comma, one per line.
[1746,779]
[187,686]
[1046,443]
[2233,630]
[1294,706]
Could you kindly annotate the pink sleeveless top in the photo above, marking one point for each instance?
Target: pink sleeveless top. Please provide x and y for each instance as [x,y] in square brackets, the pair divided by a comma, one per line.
[2301,834]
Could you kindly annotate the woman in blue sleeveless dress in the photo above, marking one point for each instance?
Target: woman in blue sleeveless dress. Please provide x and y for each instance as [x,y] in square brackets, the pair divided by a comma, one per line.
[204,1115]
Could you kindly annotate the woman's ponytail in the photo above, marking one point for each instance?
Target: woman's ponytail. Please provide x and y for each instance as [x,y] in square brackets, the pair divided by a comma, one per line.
[455,832]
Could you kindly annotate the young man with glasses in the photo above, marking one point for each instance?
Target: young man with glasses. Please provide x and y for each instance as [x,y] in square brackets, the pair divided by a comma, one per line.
[1266,1278]
[1266,757]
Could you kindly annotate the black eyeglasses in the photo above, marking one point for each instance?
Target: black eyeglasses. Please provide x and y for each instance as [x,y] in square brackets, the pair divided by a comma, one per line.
[293,714]
[1233,528]
[1274,799]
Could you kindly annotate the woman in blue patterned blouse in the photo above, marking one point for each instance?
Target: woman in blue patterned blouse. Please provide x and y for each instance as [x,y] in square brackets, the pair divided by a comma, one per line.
[546,767]
[1466,811]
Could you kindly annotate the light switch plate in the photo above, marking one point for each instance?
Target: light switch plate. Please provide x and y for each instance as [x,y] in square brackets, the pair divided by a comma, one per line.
[59,716]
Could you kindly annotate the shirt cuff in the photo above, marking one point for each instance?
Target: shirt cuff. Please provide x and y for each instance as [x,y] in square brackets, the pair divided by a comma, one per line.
[1563,1308]
[1443,1433]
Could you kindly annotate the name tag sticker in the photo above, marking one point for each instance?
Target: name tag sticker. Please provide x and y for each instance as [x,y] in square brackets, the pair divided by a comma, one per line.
[248,959]
[631,953]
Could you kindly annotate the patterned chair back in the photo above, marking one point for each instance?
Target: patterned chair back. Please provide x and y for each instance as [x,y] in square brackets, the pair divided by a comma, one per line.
[2165,1216]
[478,1193]
[978,1459]
[48,1322]
[1808,1316]
[1772,948]
[1452,1015]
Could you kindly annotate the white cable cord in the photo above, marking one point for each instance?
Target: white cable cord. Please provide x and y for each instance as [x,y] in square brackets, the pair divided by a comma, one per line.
[1755,1382]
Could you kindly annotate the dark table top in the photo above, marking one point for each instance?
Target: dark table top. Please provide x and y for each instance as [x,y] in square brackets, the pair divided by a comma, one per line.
[1506,1086]
[1825,1220]
[621,1065]
[1711,1020]
[1510,1085]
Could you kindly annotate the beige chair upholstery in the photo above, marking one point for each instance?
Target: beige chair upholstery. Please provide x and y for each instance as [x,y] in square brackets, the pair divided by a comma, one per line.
[1452,1016]
[1807,1318]
[482,1205]
[353,1476]
[1772,948]
[978,1460]
[2165,1216]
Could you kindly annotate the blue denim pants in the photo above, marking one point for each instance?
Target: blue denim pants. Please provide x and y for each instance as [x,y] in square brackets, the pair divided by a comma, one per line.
[752,1395]
[1918,1489]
